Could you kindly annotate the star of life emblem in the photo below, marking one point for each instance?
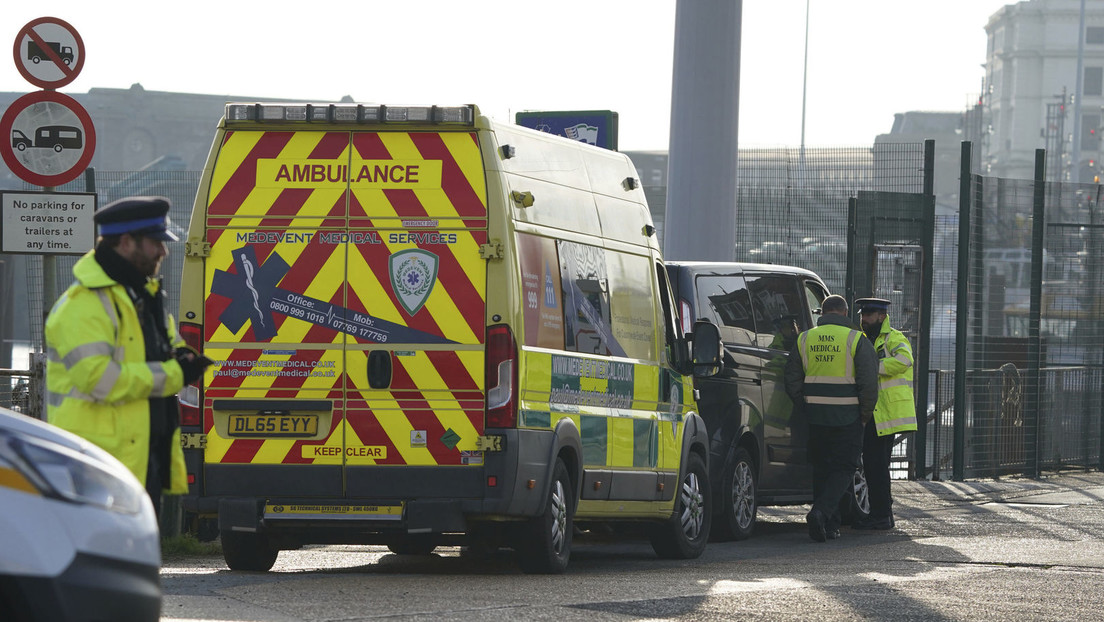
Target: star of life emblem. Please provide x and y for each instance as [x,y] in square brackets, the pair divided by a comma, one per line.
[413,274]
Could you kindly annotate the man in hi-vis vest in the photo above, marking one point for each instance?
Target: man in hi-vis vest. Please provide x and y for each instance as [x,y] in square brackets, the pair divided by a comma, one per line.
[895,412]
[833,371]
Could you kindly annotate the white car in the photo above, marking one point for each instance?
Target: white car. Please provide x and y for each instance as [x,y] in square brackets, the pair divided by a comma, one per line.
[78,536]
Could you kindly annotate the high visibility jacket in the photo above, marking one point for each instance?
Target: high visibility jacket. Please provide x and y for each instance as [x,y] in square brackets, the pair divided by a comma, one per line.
[896,408]
[828,357]
[98,380]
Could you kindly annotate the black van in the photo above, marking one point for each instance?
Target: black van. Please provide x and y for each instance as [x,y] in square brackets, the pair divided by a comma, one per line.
[757,438]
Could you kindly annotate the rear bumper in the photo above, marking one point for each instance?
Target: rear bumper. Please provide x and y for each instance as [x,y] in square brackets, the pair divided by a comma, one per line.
[435,500]
[90,588]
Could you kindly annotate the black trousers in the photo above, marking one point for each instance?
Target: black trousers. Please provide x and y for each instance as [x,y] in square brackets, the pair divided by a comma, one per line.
[835,452]
[875,455]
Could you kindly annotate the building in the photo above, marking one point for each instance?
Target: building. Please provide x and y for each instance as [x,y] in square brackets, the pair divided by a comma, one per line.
[1030,82]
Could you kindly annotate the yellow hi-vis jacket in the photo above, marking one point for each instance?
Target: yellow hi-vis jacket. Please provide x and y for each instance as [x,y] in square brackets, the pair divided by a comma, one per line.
[98,380]
[896,409]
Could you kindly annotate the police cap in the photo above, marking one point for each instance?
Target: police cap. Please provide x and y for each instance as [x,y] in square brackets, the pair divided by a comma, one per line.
[872,304]
[145,216]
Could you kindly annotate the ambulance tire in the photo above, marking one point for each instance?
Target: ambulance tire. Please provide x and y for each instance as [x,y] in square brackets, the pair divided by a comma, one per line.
[739,503]
[248,551]
[544,543]
[685,534]
[416,544]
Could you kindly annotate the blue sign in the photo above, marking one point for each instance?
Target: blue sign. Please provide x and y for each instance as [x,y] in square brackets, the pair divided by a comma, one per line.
[594,127]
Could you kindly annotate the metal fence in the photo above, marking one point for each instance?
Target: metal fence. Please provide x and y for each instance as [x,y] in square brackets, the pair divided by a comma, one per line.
[792,204]
[1029,397]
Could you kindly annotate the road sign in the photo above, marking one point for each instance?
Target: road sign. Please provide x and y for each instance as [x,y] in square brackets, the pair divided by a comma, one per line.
[47,138]
[49,52]
[48,223]
[595,127]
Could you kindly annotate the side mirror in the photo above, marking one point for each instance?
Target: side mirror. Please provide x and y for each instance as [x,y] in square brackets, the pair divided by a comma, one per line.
[707,349]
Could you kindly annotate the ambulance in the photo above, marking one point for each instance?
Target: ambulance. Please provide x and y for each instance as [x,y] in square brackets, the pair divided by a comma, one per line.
[433,329]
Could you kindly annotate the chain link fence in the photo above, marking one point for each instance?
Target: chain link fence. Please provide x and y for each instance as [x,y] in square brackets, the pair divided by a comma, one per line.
[1030,399]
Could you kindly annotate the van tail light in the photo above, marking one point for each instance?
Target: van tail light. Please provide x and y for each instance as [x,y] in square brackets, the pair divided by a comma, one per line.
[191,396]
[685,317]
[501,378]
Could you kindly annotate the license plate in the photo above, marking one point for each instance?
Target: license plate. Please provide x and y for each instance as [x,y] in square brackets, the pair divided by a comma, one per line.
[273,425]
[347,512]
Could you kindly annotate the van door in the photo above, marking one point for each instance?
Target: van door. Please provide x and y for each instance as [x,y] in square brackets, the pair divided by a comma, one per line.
[274,299]
[731,399]
[779,304]
[416,294]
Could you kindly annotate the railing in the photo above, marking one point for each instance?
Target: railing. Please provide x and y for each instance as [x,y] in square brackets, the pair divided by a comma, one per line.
[1003,433]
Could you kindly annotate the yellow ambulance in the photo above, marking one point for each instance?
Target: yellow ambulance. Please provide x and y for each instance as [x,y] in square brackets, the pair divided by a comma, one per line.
[430,328]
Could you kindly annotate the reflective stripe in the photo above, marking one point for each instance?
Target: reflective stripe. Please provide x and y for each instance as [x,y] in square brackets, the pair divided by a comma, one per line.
[838,401]
[159,378]
[899,382]
[802,338]
[109,308]
[849,360]
[55,399]
[895,423]
[107,381]
[81,352]
[899,347]
[829,380]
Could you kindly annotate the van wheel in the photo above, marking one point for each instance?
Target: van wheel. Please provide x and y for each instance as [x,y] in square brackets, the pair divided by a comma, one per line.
[855,505]
[544,543]
[248,551]
[685,534]
[739,502]
[417,544]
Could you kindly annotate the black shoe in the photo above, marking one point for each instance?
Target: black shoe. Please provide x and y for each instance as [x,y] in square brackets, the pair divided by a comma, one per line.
[880,524]
[833,534]
[815,519]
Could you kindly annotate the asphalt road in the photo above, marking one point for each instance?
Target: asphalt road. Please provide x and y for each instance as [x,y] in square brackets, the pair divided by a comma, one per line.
[995,550]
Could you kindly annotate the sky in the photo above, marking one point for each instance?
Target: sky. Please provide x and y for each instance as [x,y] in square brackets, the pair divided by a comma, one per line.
[867,59]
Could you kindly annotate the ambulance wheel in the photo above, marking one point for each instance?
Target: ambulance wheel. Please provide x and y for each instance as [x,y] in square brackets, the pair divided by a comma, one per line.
[417,544]
[685,534]
[739,505]
[248,551]
[855,505]
[544,543]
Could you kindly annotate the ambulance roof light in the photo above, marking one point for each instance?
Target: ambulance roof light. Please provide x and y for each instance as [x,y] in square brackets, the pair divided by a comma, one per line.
[350,113]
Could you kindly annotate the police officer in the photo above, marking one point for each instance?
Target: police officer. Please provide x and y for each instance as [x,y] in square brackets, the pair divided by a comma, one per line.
[115,361]
[895,412]
[833,371]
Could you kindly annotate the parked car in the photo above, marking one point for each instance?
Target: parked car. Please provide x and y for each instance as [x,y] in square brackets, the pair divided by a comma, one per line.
[757,437]
[78,536]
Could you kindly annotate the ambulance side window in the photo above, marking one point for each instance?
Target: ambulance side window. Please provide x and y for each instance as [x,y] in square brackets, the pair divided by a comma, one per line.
[632,309]
[585,299]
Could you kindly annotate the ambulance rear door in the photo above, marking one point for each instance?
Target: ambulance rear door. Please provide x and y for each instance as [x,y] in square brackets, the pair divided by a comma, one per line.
[417,294]
[274,314]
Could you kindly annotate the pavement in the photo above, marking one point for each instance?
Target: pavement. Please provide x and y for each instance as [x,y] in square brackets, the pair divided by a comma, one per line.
[1000,550]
